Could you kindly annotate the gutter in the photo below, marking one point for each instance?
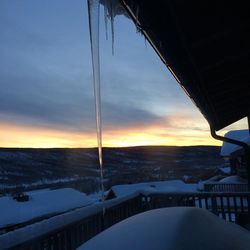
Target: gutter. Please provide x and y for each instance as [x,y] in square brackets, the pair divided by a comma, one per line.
[229,140]
[236,142]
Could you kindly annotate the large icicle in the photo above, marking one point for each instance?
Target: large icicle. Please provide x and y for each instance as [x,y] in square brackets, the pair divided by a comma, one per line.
[112,26]
[94,9]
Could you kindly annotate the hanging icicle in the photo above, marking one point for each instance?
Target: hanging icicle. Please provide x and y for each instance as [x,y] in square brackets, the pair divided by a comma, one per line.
[106,18]
[111,9]
[112,27]
[93,10]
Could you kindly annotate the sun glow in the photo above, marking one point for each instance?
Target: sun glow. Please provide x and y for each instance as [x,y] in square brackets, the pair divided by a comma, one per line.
[33,137]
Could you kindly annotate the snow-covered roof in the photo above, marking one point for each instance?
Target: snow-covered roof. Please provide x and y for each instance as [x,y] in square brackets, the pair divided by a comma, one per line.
[171,228]
[154,187]
[24,234]
[240,135]
[42,202]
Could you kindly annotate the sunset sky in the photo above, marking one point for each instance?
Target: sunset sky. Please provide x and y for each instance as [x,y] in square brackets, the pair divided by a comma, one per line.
[46,94]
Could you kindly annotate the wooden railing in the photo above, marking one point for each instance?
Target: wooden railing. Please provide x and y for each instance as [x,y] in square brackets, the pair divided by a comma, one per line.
[225,187]
[229,206]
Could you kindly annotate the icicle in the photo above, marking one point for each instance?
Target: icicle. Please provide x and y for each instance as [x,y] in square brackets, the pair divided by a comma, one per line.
[93,9]
[106,18]
[112,26]
[145,41]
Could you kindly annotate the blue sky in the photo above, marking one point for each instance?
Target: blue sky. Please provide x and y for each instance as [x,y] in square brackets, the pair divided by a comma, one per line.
[46,82]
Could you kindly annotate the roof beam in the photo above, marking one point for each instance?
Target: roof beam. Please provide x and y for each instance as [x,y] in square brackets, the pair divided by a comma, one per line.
[220,35]
[229,59]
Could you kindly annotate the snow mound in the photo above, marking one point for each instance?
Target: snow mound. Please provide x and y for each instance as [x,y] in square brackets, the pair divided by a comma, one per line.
[154,187]
[234,179]
[226,170]
[41,203]
[240,135]
[171,228]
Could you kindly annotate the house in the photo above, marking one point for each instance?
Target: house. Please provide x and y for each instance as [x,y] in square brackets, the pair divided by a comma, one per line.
[235,154]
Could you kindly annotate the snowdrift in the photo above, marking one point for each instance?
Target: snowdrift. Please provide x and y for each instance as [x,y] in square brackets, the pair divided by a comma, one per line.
[171,228]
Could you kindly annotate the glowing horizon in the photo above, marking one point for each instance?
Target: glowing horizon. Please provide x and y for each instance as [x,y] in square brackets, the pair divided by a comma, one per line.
[32,137]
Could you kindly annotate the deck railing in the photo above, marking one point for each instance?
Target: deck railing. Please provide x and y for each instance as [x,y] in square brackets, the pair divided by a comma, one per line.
[229,206]
[225,187]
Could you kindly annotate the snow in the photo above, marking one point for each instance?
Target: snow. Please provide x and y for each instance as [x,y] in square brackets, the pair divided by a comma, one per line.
[226,170]
[240,135]
[41,203]
[234,179]
[171,228]
[29,232]
[155,187]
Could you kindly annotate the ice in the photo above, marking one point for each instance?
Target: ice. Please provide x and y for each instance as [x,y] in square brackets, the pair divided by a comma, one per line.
[112,8]
[172,228]
[112,28]
[94,10]
[106,19]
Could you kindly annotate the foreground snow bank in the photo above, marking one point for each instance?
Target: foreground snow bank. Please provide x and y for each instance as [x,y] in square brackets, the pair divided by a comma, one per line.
[171,228]
[41,203]
[177,186]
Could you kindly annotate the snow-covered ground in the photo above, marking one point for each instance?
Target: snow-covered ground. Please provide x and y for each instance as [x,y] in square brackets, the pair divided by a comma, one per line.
[41,203]
[170,229]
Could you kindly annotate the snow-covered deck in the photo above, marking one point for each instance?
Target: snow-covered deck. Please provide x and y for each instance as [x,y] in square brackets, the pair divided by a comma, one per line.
[71,229]
[171,228]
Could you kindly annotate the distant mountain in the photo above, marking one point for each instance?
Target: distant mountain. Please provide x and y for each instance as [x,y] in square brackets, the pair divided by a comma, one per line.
[27,169]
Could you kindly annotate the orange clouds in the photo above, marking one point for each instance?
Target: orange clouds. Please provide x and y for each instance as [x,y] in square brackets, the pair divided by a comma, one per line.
[24,136]
[179,130]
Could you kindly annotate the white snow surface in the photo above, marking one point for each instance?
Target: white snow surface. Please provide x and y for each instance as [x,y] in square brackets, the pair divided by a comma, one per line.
[240,135]
[234,179]
[29,232]
[41,202]
[171,229]
[173,186]
[226,170]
